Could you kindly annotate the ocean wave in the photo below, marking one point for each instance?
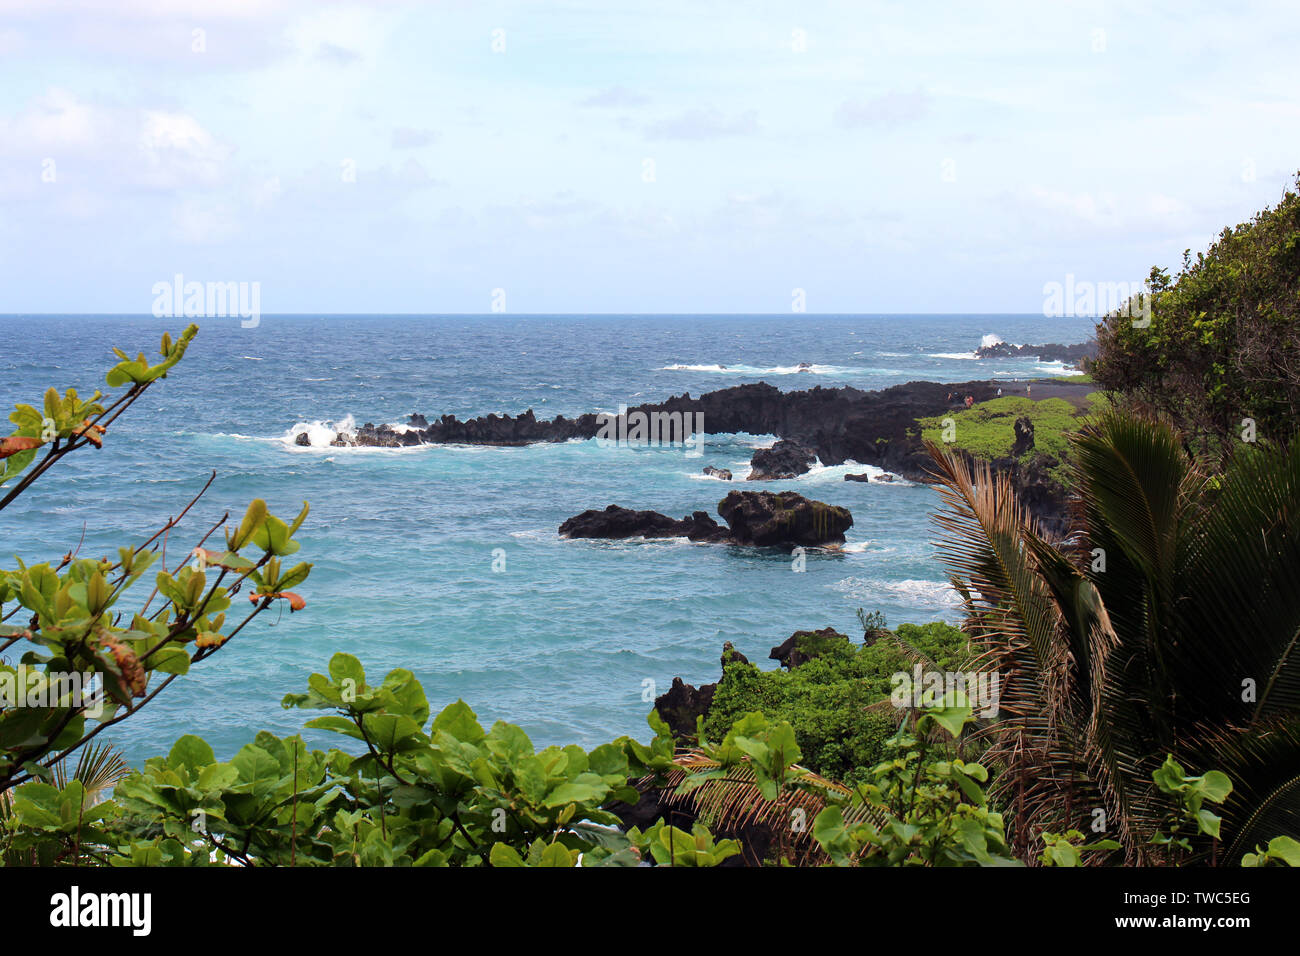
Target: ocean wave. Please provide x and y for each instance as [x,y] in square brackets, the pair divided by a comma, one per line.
[907,591]
[321,432]
[805,367]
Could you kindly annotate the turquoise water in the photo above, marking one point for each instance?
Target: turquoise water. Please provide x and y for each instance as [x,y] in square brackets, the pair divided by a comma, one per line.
[564,639]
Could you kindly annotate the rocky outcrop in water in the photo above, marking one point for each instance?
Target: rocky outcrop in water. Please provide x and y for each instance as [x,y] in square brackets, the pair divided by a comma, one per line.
[766,519]
[616,522]
[1069,354]
[785,459]
[833,424]
[758,518]
[722,474]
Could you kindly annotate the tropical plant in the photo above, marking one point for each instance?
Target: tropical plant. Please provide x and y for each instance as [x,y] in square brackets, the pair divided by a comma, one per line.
[837,699]
[917,810]
[421,790]
[1166,624]
[87,663]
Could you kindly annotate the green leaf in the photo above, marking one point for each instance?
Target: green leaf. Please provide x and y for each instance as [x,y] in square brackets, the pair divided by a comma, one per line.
[191,751]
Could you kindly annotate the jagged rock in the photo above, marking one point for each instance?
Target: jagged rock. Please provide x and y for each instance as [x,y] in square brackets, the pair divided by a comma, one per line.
[418,421]
[835,424]
[303,439]
[763,518]
[785,459]
[802,646]
[732,656]
[1052,352]
[618,522]
[720,473]
[1024,437]
[885,477]
[683,704]
[758,518]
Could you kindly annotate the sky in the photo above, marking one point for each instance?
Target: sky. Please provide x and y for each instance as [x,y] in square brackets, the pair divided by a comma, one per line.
[675,156]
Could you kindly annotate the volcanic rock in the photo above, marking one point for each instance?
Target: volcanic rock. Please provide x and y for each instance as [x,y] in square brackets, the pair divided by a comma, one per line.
[785,459]
[618,522]
[802,646]
[1024,437]
[683,704]
[764,518]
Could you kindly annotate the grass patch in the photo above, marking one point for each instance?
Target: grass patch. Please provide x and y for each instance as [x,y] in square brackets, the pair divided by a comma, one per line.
[987,430]
[1083,378]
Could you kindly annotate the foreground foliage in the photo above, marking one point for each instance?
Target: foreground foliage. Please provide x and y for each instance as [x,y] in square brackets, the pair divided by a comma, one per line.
[837,701]
[1167,625]
[87,660]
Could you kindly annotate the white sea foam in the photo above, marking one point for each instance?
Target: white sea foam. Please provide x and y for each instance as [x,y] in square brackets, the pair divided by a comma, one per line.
[907,591]
[320,433]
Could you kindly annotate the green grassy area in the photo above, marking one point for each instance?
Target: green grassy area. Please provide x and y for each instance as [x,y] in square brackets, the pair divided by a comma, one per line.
[1083,378]
[987,430]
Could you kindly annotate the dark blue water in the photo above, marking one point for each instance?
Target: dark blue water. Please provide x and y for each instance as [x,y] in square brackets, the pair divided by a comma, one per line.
[565,639]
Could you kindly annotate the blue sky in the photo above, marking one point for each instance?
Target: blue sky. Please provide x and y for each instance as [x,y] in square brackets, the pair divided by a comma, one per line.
[620,157]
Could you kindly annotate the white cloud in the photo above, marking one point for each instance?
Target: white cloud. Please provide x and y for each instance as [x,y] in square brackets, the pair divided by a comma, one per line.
[704,124]
[887,110]
[615,97]
[406,137]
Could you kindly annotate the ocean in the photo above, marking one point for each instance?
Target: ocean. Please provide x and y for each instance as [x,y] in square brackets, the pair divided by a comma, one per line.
[445,560]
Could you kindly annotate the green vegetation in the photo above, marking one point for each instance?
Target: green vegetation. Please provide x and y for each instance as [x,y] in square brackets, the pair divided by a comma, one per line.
[70,617]
[829,699]
[1170,627]
[1223,340]
[1083,378]
[987,430]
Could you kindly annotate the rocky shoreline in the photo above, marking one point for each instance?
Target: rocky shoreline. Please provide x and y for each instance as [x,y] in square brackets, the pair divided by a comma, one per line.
[830,425]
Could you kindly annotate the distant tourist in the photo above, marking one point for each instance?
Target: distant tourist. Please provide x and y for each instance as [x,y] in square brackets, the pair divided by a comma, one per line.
[970,400]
